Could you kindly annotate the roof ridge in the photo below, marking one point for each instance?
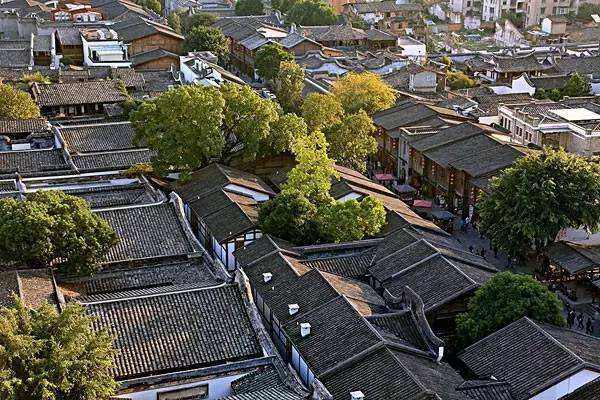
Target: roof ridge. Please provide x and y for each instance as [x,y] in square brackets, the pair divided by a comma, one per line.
[165,293]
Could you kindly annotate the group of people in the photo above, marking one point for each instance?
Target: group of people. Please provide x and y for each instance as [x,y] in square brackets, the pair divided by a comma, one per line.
[577,320]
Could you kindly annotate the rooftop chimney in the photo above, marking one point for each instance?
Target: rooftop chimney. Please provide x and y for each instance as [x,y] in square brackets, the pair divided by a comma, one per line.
[357,395]
[267,276]
[304,329]
[293,308]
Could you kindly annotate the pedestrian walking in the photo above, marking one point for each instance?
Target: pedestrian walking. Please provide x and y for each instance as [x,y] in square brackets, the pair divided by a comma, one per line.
[580,321]
[589,327]
[471,248]
[571,318]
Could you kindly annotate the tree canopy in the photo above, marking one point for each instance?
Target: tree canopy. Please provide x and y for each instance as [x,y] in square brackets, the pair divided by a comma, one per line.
[305,213]
[52,228]
[505,298]
[205,38]
[249,7]
[45,355]
[541,194]
[349,135]
[310,13]
[577,85]
[153,5]
[16,104]
[288,85]
[175,22]
[459,80]
[191,125]
[183,126]
[268,60]
[195,20]
[365,91]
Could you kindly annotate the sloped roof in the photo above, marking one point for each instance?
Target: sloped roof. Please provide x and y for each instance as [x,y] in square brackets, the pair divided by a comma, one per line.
[138,27]
[29,162]
[75,93]
[177,331]
[531,356]
[588,391]
[147,232]
[574,258]
[20,127]
[140,59]
[111,160]
[98,137]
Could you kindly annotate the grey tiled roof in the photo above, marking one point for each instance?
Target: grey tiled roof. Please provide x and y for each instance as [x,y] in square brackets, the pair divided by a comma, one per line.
[108,161]
[351,266]
[589,65]
[521,63]
[177,331]
[133,282]
[146,232]
[574,258]
[98,137]
[530,356]
[65,94]
[436,280]
[8,185]
[138,27]
[114,196]
[19,127]
[276,393]
[486,390]
[15,57]
[30,162]
[216,176]
[338,332]
[147,56]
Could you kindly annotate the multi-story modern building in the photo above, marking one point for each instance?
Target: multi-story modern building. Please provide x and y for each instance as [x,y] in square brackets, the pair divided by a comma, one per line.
[573,124]
[533,11]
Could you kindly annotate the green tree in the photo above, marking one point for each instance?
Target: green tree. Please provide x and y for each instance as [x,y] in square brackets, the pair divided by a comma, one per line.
[45,355]
[249,7]
[15,104]
[447,60]
[555,95]
[288,85]
[351,141]
[204,38]
[540,94]
[541,194]
[311,12]
[268,60]
[585,11]
[312,175]
[247,119]
[192,125]
[292,217]
[305,213]
[505,298]
[283,132]
[153,5]
[183,126]
[459,80]
[36,77]
[321,110]
[195,20]
[51,228]
[175,22]
[283,5]
[349,135]
[365,91]
[577,86]
[351,220]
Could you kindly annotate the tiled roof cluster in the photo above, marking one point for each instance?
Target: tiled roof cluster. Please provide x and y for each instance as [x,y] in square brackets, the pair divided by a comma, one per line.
[574,258]
[345,33]
[357,340]
[139,27]
[23,127]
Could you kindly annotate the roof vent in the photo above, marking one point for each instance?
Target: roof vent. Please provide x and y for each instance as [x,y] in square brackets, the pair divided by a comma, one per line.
[357,395]
[293,308]
[267,276]
[304,329]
